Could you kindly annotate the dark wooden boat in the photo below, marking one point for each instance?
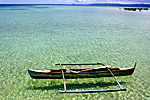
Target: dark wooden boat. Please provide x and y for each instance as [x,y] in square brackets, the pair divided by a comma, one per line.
[80,72]
[104,71]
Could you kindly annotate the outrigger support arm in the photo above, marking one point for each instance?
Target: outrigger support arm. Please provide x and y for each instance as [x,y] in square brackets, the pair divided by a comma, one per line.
[114,77]
[63,77]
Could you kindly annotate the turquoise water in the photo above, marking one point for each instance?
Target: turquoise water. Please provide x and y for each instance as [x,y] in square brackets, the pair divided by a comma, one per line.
[37,37]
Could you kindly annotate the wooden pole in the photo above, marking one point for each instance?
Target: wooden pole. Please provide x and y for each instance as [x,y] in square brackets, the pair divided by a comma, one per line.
[81,64]
[63,77]
[114,77]
[93,91]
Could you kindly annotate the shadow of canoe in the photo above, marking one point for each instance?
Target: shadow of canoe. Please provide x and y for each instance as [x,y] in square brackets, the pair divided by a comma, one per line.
[75,86]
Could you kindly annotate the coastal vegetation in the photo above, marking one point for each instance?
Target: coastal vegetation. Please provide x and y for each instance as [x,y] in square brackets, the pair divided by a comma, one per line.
[135,9]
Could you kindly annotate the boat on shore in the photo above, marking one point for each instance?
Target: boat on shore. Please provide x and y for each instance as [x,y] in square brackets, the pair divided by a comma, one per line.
[72,73]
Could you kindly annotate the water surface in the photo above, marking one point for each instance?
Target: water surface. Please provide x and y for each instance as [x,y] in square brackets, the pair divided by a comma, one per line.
[39,36]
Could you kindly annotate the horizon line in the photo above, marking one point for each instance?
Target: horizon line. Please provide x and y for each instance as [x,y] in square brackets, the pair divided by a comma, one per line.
[79,3]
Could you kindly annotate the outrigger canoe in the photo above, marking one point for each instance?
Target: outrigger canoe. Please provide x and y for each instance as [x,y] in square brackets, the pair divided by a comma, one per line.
[80,72]
[104,71]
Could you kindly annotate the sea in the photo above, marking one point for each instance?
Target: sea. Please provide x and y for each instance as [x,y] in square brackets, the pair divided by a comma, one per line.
[38,36]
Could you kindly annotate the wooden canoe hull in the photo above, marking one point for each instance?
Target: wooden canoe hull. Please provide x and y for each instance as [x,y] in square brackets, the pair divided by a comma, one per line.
[57,73]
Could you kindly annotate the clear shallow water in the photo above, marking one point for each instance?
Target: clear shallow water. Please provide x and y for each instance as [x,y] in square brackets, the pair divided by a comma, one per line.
[39,36]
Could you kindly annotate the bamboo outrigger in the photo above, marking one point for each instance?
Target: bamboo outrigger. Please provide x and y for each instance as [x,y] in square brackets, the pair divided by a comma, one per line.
[104,71]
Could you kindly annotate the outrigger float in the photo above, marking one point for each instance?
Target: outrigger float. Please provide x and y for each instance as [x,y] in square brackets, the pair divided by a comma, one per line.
[104,71]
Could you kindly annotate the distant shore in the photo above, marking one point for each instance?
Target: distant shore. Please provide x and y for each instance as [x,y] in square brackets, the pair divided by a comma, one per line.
[93,4]
[135,9]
